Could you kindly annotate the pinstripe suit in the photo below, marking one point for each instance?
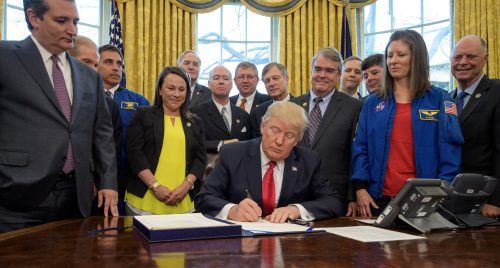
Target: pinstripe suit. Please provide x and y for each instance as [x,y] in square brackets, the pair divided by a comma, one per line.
[334,137]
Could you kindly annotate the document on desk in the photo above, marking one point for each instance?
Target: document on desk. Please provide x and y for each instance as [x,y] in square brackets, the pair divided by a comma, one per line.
[174,227]
[266,227]
[177,221]
[370,234]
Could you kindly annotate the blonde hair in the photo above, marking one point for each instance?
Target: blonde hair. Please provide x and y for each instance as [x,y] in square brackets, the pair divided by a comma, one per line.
[288,112]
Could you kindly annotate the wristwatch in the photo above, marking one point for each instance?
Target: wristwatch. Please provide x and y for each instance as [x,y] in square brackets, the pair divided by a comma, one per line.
[191,184]
[154,185]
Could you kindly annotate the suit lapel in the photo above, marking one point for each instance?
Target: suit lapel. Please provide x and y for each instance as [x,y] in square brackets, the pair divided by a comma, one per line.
[290,176]
[32,60]
[216,117]
[474,100]
[331,111]
[196,94]
[158,128]
[235,120]
[303,101]
[254,171]
[78,77]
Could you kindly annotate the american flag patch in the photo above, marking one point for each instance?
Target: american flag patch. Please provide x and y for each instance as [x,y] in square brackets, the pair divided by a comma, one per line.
[450,107]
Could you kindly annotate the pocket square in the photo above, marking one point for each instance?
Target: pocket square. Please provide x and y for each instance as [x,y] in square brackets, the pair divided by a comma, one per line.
[244,129]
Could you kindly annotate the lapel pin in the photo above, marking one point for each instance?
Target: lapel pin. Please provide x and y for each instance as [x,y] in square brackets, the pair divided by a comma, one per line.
[188,124]
[198,93]
[237,121]
[478,95]
[294,168]
[304,104]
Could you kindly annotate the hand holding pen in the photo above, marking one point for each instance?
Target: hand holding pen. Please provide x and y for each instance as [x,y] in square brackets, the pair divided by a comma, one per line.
[247,210]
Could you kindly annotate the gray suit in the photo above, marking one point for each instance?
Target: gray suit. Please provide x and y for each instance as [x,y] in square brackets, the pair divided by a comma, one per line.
[34,134]
[333,139]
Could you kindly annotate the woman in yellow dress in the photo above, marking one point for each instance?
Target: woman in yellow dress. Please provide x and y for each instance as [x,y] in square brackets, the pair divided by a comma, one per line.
[166,150]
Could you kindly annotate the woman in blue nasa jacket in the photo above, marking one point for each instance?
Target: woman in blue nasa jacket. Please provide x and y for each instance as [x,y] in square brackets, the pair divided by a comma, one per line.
[418,120]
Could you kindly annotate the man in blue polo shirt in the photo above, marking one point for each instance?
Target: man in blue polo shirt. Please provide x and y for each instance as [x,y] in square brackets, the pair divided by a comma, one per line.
[111,68]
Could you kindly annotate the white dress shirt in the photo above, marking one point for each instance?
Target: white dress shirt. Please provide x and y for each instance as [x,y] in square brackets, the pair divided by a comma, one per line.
[113,90]
[63,65]
[279,170]
[248,104]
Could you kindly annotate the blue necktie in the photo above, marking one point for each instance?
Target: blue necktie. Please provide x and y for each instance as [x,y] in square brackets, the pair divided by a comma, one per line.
[460,101]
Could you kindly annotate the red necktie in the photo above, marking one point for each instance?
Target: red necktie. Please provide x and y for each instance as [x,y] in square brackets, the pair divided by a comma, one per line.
[268,193]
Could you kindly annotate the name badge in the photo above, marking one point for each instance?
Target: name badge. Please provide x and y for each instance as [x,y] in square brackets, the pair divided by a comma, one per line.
[428,114]
[129,105]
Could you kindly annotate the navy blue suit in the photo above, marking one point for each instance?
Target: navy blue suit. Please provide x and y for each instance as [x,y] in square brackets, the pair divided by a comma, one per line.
[239,170]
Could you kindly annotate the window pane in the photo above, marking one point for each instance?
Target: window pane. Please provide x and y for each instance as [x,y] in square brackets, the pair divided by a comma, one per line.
[437,39]
[234,28]
[90,32]
[232,54]
[406,13]
[89,11]
[209,59]
[376,43]
[255,31]
[209,25]
[18,3]
[17,28]
[377,17]
[436,10]
[440,76]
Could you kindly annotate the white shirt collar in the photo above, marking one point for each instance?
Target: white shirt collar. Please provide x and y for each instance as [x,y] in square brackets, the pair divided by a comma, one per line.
[264,161]
[249,98]
[46,55]
[113,89]
[219,106]
[326,98]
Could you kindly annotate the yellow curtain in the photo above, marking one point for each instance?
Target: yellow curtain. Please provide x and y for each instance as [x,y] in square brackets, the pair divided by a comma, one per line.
[154,32]
[1,19]
[481,17]
[317,24]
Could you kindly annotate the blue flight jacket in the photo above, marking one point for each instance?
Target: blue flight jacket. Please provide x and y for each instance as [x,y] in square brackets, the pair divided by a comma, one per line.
[437,139]
[128,101]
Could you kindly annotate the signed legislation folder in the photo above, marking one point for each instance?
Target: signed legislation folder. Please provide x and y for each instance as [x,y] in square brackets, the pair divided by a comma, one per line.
[176,227]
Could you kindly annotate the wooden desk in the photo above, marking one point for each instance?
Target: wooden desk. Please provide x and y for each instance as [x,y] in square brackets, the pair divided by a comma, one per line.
[67,244]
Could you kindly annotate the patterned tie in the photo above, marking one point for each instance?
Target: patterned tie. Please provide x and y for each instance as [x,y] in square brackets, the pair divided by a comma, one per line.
[268,193]
[224,117]
[108,94]
[314,120]
[460,101]
[65,104]
[242,103]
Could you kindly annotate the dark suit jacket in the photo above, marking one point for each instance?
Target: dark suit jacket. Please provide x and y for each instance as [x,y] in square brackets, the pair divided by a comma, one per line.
[480,124]
[257,100]
[333,139]
[34,134]
[215,129]
[239,170]
[115,120]
[257,114]
[201,94]
[144,141]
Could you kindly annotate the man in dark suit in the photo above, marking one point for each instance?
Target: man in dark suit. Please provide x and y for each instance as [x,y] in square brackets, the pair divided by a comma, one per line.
[270,177]
[191,62]
[332,122]
[275,78]
[478,106]
[85,50]
[222,121]
[246,78]
[56,132]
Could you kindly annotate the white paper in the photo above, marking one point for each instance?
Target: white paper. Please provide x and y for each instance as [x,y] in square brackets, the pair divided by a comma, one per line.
[178,221]
[369,234]
[264,227]
[367,221]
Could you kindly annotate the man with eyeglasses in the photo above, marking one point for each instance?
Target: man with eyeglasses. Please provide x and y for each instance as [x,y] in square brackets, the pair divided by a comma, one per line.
[223,122]
[332,122]
[246,79]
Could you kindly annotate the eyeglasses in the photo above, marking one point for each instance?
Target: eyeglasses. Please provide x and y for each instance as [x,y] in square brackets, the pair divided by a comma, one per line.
[327,70]
[247,77]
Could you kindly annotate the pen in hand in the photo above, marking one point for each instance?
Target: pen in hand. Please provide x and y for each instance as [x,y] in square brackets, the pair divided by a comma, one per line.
[249,196]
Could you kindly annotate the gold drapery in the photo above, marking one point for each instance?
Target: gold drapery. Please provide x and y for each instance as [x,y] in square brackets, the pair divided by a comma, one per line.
[154,33]
[481,17]
[317,24]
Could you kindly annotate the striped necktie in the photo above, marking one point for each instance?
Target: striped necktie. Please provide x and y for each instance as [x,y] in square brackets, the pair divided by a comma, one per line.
[314,120]
[226,121]
[65,104]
